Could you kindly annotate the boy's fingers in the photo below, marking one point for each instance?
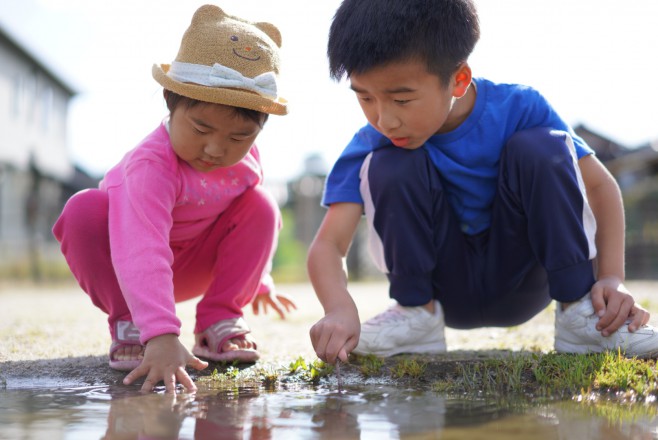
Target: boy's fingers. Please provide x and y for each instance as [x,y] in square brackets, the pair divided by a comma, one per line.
[607,311]
[333,347]
[598,302]
[646,316]
[639,317]
[350,345]
[339,347]
[342,355]
[319,340]
[615,321]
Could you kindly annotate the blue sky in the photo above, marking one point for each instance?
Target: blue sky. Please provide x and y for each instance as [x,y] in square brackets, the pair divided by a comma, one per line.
[593,59]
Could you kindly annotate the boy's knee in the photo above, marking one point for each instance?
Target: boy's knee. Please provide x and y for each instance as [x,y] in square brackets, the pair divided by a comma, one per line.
[540,146]
[397,166]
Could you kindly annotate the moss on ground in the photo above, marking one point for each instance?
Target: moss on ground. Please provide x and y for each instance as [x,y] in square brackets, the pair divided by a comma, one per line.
[605,376]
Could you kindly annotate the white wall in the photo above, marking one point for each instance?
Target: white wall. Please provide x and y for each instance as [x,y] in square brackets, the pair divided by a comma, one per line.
[33,117]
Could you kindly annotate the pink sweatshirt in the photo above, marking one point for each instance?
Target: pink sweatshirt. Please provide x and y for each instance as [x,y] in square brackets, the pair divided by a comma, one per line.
[156,198]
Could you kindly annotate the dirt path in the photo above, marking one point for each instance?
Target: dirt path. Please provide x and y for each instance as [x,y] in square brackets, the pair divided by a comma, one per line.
[55,337]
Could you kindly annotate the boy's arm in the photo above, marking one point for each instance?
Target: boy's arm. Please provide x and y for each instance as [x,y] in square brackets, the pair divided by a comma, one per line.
[337,333]
[610,298]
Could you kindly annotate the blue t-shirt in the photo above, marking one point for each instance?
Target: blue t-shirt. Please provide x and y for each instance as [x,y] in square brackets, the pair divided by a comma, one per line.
[467,157]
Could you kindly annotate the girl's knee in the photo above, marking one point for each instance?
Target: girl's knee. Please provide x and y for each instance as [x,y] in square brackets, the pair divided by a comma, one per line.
[261,207]
[84,212]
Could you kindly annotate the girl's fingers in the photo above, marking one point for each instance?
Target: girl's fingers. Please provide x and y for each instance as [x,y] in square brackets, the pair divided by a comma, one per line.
[170,383]
[186,380]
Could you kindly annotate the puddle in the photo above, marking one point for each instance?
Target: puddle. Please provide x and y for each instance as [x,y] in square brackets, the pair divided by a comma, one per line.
[375,411]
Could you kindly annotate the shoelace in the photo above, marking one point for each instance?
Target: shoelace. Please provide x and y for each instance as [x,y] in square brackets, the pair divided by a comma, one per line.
[393,314]
[587,309]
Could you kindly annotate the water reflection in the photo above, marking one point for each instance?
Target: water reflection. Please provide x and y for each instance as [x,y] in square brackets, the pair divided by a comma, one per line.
[146,416]
[366,412]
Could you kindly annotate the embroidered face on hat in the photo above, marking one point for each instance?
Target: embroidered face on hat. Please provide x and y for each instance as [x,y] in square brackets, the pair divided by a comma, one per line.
[227,60]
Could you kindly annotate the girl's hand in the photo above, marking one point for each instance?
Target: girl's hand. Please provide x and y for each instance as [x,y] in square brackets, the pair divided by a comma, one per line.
[165,359]
[614,305]
[281,303]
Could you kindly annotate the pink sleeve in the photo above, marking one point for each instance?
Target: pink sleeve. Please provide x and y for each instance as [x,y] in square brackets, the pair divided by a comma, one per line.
[266,283]
[256,155]
[140,220]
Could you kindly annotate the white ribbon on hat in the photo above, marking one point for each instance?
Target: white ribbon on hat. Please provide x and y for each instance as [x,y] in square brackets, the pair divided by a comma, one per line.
[219,75]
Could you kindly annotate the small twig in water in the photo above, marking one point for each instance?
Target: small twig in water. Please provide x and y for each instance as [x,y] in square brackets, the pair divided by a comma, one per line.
[338,378]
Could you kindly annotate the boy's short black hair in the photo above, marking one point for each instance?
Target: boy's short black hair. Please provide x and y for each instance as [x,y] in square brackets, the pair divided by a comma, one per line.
[173,100]
[370,33]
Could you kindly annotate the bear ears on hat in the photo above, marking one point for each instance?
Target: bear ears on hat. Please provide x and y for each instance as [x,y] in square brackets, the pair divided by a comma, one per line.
[208,13]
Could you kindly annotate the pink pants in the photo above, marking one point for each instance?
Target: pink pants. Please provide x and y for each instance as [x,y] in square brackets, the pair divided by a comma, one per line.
[224,263]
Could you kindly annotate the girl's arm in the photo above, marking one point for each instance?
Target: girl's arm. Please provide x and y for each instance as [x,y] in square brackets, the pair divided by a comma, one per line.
[140,220]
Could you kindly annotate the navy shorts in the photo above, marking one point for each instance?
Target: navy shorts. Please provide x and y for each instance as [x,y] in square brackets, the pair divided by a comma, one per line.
[539,246]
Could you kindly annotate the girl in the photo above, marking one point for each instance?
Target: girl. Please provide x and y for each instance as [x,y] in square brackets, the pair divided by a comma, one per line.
[185,213]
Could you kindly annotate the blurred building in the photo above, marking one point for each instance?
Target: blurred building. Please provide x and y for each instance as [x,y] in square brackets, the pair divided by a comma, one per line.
[305,200]
[35,169]
[305,197]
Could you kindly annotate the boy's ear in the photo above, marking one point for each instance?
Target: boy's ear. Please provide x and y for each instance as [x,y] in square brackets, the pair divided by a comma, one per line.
[461,80]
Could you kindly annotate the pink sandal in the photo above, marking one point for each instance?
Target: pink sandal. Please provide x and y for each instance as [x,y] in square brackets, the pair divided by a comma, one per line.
[126,333]
[214,337]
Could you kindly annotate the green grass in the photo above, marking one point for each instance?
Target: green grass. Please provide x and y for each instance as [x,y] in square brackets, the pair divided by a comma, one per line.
[267,376]
[585,378]
[369,365]
[408,368]
[309,371]
[635,376]
[557,376]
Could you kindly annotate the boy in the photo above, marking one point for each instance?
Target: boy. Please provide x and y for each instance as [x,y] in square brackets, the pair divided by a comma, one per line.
[482,204]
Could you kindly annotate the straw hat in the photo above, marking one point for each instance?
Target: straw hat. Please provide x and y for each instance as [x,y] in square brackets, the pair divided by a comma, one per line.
[224,59]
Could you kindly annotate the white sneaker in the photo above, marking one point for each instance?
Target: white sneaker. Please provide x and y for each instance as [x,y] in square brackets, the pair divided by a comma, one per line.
[403,330]
[575,332]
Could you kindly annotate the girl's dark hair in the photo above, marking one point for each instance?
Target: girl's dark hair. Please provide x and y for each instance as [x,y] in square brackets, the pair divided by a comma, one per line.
[370,33]
[173,100]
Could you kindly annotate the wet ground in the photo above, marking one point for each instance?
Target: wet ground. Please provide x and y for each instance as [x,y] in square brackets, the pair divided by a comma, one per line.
[55,383]
[362,411]
[54,335]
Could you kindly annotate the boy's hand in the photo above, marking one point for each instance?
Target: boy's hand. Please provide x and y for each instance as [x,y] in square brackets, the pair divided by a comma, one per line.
[165,359]
[614,305]
[336,335]
[281,303]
